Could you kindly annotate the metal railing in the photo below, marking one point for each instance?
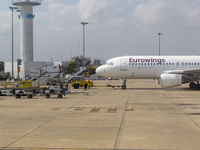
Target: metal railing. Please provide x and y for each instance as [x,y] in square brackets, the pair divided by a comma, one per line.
[35,1]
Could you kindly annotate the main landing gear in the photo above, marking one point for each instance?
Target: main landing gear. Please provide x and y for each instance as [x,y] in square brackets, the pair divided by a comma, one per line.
[124,84]
[195,85]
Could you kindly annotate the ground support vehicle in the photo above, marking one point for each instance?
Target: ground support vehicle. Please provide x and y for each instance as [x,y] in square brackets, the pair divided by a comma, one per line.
[19,88]
[29,92]
[18,92]
[54,90]
[80,82]
[19,84]
[5,92]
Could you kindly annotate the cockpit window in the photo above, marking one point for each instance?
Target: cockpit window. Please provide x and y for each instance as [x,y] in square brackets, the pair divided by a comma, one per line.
[109,63]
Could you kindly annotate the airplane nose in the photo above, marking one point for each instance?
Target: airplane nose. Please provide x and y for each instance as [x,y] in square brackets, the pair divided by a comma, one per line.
[99,70]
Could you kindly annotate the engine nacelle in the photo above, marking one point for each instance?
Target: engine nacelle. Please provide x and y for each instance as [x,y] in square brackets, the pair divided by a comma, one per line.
[169,80]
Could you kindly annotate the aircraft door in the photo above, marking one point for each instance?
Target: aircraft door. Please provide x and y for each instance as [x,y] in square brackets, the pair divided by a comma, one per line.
[123,64]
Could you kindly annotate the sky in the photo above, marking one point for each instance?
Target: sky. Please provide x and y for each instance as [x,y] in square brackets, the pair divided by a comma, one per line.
[116,28]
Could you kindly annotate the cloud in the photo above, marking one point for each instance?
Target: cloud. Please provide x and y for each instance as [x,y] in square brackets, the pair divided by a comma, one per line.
[118,25]
[5,25]
[179,12]
[149,12]
[115,27]
[90,9]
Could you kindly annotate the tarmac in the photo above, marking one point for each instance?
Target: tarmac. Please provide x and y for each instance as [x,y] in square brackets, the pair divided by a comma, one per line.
[142,117]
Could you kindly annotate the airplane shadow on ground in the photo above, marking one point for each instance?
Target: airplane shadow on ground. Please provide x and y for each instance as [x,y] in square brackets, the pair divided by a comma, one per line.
[157,89]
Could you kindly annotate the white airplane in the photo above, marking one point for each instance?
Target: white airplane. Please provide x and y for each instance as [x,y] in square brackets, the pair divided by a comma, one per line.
[169,71]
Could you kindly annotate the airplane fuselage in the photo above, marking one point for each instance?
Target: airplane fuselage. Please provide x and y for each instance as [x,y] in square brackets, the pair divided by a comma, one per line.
[151,67]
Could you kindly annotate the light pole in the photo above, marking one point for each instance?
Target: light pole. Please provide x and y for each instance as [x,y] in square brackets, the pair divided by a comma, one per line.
[159,41]
[84,23]
[12,9]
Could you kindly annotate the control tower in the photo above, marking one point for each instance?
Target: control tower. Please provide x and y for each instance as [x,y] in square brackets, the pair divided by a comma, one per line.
[26,27]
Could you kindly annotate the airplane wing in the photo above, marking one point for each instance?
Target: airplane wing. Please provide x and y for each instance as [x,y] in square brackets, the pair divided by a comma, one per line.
[189,73]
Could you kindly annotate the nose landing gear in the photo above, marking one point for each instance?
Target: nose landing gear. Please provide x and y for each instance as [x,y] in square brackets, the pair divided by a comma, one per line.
[124,84]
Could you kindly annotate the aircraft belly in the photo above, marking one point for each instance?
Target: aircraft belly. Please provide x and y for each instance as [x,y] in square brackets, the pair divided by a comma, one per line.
[142,73]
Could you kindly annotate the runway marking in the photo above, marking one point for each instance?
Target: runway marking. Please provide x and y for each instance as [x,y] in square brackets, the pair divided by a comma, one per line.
[56,108]
[51,119]
[122,119]
[112,110]
[129,109]
[79,108]
[178,106]
[68,149]
[192,113]
[95,110]
[187,104]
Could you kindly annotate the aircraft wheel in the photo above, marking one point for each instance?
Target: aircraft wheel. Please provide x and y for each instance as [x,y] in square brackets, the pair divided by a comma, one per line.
[51,91]
[197,87]
[123,86]
[59,96]
[47,95]
[17,96]
[193,85]
[30,96]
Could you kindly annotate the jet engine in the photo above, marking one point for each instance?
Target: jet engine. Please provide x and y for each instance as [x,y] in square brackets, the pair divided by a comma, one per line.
[170,80]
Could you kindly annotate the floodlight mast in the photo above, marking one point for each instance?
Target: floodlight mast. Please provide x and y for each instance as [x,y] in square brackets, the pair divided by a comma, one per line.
[159,41]
[84,23]
[13,9]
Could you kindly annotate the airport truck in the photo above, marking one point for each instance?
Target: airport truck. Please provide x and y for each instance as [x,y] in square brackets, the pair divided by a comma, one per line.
[80,82]
[18,88]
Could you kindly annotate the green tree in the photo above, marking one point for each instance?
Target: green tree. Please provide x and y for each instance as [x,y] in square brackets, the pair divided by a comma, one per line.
[79,61]
[92,70]
[1,66]
[74,65]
